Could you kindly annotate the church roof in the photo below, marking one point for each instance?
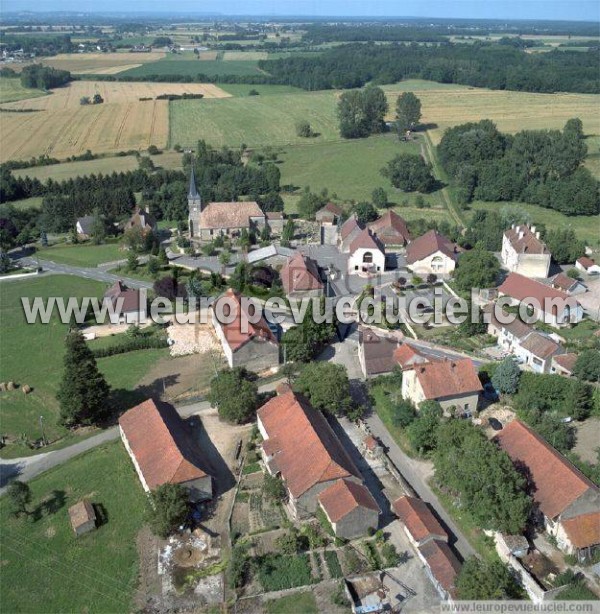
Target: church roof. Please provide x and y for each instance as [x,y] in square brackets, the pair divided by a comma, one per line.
[193,190]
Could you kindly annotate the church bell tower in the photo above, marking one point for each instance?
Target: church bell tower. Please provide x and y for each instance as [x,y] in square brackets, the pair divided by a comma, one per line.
[194,207]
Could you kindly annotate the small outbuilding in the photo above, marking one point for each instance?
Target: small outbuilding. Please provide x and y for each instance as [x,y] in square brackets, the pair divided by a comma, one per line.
[83,517]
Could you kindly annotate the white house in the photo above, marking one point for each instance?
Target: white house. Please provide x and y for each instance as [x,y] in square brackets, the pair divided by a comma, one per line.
[367,254]
[128,302]
[587,265]
[432,253]
[523,252]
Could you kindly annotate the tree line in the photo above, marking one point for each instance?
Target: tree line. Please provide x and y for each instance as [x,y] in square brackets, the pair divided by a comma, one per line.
[543,167]
[43,77]
[479,65]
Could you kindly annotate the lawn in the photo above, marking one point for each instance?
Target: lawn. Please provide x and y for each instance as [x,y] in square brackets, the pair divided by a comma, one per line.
[174,65]
[11,90]
[298,602]
[70,170]
[585,227]
[27,203]
[45,568]
[83,254]
[255,120]
[32,354]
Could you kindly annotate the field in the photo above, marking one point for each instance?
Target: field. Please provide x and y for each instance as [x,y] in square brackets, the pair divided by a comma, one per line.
[11,90]
[179,65]
[101,63]
[85,254]
[256,121]
[27,203]
[449,105]
[298,602]
[45,568]
[242,89]
[232,56]
[32,354]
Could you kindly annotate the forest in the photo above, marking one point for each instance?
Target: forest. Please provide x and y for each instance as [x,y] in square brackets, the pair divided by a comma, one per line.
[481,64]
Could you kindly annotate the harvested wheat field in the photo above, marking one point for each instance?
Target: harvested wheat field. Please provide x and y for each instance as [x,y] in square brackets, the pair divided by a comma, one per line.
[101,63]
[449,105]
[250,56]
[205,56]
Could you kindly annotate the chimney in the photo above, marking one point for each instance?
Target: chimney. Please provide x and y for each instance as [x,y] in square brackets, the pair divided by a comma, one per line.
[513,226]
[521,234]
[533,230]
[537,234]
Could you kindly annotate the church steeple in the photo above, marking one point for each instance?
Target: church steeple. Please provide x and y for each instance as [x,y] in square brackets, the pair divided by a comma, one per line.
[194,206]
[193,194]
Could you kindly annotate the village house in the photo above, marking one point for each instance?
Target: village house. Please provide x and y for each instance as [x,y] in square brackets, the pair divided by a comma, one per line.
[300,447]
[129,303]
[350,509]
[391,230]
[375,353]
[85,226]
[367,254]
[83,517]
[270,255]
[523,252]
[548,304]
[245,344]
[143,220]
[406,356]
[275,221]
[349,230]
[587,265]
[420,525]
[453,383]
[567,503]
[432,253]
[162,450]
[329,214]
[206,222]
[563,364]
[510,334]
[300,277]
[567,284]
[441,566]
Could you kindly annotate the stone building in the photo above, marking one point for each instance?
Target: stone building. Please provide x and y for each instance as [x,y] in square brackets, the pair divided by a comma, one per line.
[524,252]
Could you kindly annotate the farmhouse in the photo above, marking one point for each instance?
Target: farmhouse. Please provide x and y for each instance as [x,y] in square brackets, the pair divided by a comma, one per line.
[350,508]
[82,517]
[245,344]
[349,230]
[367,254]
[162,451]
[548,304]
[129,304]
[84,226]
[567,503]
[587,265]
[453,383]
[301,447]
[567,284]
[300,277]
[141,219]
[375,353]
[206,222]
[391,230]
[523,252]
[432,253]
[420,525]
[563,364]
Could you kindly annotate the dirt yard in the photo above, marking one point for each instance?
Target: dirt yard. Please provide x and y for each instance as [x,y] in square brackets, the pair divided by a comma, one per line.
[588,439]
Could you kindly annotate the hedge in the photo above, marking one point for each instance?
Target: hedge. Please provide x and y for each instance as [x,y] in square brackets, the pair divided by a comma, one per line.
[138,343]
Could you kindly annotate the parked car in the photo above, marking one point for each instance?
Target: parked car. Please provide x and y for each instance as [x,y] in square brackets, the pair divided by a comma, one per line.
[495,424]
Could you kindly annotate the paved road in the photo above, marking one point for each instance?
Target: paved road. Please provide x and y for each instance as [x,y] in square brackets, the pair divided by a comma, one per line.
[29,467]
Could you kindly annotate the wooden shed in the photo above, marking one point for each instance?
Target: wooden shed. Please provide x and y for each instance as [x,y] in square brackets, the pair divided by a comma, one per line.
[83,517]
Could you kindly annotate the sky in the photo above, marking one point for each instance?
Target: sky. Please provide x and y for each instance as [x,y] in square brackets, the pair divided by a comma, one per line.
[570,10]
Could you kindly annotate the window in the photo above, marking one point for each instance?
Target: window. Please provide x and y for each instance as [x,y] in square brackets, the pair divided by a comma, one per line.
[367,258]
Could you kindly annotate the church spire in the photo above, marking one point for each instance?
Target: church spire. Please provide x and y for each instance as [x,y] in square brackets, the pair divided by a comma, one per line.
[193,190]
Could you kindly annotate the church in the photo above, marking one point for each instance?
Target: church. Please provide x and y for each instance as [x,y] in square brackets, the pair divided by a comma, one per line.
[206,222]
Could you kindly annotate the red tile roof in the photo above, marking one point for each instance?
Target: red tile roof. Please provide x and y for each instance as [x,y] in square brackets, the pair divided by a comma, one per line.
[586,262]
[229,215]
[406,356]
[566,361]
[520,288]
[563,282]
[443,564]
[234,333]
[306,451]
[331,208]
[391,229]
[418,519]
[524,241]
[556,484]
[349,226]
[162,447]
[428,244]
[448,378]
[583,531]
[344,496]
[300,273]
[131,298]
[366,240]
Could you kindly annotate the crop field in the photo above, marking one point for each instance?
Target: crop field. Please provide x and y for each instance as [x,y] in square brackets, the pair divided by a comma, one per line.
[193,67]
[243,89]
[256,120]
[449,105]
[11,90]
[101,63]
[45,568]
[230,56]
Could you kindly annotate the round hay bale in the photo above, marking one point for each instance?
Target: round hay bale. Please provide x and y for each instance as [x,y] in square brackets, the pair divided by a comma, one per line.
[10,386]
[2,386]
[26,389]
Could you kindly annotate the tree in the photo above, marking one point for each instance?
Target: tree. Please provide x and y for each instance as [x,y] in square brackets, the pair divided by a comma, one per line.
[132,262]
[98,228]
[380,198]
[167,509]
[5,262]
[97,99]
[587,366]
[235,395]
[410,173]
[477,268]
[303,342]
[408,112]
[153,267]
[288,232]
[403,414]
[564,245]
[274,488]
[486,580]
[83,391]
[288,543]
[133,239]
[310,203]
[362,112]
[163,259]
[237,568]
[422,432]
[327,387]
[303,129]
[224,259]
[19,495]
[506,376]
[365,213]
